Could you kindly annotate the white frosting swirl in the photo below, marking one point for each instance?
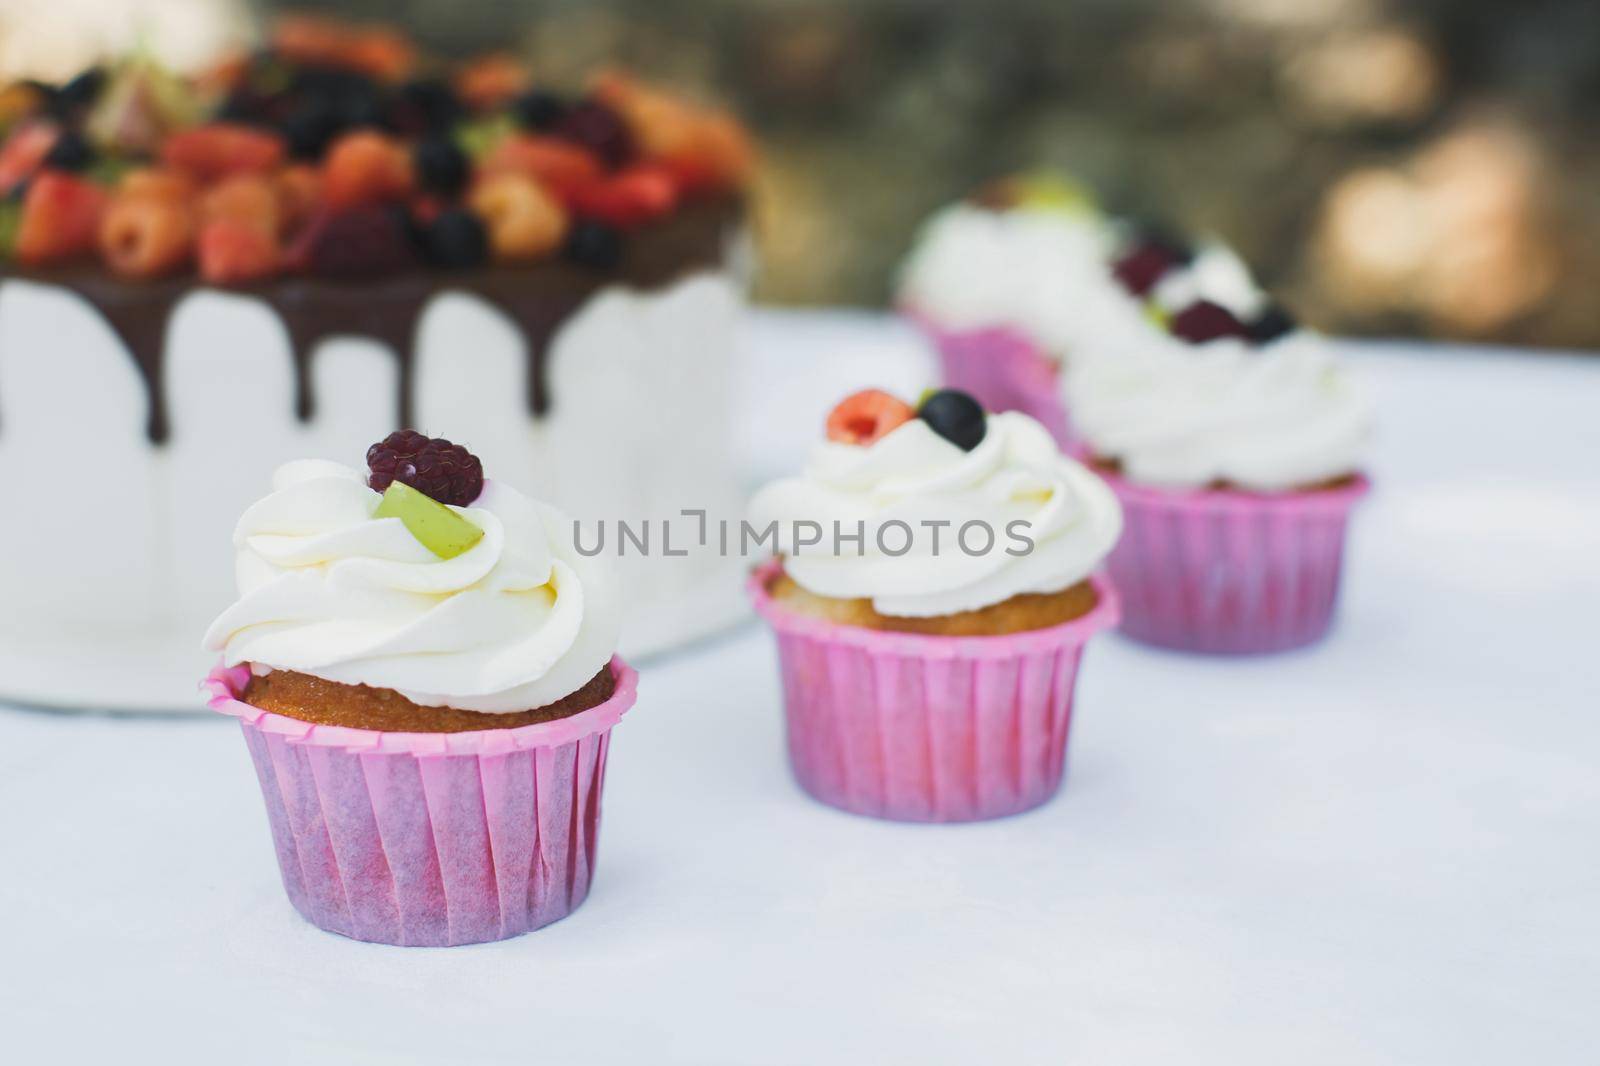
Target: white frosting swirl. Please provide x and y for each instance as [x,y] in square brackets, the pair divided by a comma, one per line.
[1279,417]
[1040,271]
[913,475]
[516,622]
[1216,274]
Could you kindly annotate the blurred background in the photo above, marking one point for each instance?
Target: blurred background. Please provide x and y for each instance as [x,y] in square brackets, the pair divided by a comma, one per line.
[1414,167]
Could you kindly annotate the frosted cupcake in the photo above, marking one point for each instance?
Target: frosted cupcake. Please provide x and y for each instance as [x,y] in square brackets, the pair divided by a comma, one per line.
[1005,285]
[423,668]
[933,593]
[1237,466]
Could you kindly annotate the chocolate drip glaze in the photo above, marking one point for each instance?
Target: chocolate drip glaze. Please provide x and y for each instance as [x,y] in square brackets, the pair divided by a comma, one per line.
[537,298]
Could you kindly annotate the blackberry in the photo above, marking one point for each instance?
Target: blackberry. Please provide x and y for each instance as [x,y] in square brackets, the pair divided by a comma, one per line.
[309,128]
[426,104]
[956,417]
[70,152]
[441,166]
[456,239]
[599,129]
[1205,321]
[594,244]
[539,110]
[1271,324]
[83,90]
[432,465]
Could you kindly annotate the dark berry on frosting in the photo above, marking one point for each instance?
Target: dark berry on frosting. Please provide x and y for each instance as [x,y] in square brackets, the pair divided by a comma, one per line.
[955,416]
[456,239]
[594,244]
[1146,262]
[442,167]
[1205,321]
[599,129]
[1271,324]
[539,110]
[432,465]
[359,242]
[70,152]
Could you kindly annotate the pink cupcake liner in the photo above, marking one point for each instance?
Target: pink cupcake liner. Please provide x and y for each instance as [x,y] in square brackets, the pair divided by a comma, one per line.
[431,839]
[921,728]
[1003,370]
[1231,573]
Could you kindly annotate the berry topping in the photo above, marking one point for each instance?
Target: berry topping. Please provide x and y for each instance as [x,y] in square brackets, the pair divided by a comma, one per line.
[866,416]
[443,471]
[425,105]
[82,91]
[442,167]
[600,129]
[539,110]
[456,239]
[233,252]
[955,416]
[1146,262]
[309,128]
[1205,321]
[70,152]
[221,148]
[60,218]
[365,167]
[560,166]
[249,198]
[24,152]
[524,221]
[1271,324]
[436,527]
[359,242]
[146,236]
[594,244]
[631,197]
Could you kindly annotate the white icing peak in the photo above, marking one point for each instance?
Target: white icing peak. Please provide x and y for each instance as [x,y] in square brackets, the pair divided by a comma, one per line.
[1274,418]
[1043,272]
[913,475]
[516,622]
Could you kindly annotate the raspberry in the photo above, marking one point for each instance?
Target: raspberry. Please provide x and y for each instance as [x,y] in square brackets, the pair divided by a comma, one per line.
[1204,321]
[599,129]
[360,242]
[431,465]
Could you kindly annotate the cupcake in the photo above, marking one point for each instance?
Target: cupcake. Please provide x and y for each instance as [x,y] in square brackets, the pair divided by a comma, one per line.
[1002,283]
[424,671]
[1237,465]
[1027,276]
[933,591]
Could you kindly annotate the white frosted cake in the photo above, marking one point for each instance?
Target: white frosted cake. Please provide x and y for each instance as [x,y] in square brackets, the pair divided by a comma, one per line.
[577,337]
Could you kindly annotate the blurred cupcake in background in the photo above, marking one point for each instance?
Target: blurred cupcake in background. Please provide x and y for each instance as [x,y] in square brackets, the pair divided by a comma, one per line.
[423,669]
[933,592]
[1237,464]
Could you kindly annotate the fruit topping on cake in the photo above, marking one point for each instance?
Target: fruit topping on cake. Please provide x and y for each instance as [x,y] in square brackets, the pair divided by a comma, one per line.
[955,416]
[432,465]
[436,527]
[866,416]
[1147,260]
[343,133]
[1205,321]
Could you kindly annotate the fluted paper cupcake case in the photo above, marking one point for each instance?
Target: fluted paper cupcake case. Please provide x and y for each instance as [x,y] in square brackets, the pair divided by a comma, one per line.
[1230,573]
[921,728]
[1003,370]
[431,839]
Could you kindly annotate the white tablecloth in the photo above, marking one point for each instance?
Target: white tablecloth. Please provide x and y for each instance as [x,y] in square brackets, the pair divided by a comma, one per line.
[1385,849]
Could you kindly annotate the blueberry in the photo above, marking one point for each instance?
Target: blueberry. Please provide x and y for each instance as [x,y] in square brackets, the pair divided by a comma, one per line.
[599,129]
[442,167]
[426,104]
[309,128]
[539,109]
[594,244]
[955,416]
[70,152]
[1271,324]
[457,239]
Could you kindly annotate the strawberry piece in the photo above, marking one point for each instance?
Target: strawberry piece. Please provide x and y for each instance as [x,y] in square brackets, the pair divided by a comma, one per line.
[632,197]
[24,152]
[60,218]
[866,416]
[142,236]
[523,220]
[365,167]
[157,183]
[558,165]
[233,251]
[218,149]
[252,198]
